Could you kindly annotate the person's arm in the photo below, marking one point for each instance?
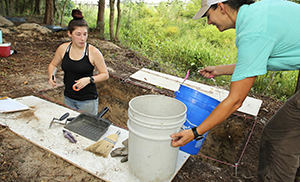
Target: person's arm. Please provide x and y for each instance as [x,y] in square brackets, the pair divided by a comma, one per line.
[238,92]
[99,62]
[209,71]
[54,63]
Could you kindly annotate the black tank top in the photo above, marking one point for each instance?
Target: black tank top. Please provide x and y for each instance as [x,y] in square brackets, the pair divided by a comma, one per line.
[74,70]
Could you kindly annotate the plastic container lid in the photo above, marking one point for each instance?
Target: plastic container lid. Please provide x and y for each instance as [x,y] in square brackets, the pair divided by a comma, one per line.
[5,44]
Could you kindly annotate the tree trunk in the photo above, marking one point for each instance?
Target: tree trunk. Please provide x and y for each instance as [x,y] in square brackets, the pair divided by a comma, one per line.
[37,7]
[31,6]
[17,7]
[100,18]
[23,7]
[111,19]
[12,7]
[118,20]
[7,7]
[2,6]
[63,12]
[298,83]
[48,19]
[55,11]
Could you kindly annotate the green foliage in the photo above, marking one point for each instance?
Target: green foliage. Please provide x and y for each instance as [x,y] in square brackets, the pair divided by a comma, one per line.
[68,11]
[283,84]
[191,8]
[69,7]
[171,31]
[217,38]
[90,14]
[296,1]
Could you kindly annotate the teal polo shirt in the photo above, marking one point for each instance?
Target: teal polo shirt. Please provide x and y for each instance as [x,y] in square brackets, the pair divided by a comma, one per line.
[267,38]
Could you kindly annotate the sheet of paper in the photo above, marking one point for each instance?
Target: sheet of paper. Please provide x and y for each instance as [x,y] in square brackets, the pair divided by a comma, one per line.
[11,105]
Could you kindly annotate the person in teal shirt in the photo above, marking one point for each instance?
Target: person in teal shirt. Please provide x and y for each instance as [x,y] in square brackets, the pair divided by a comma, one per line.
[268,39]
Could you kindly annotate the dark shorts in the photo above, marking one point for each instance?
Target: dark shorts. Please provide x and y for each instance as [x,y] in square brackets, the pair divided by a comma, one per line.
[280,144]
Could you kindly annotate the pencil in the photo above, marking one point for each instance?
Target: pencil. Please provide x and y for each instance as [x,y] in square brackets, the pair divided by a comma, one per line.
[3,98]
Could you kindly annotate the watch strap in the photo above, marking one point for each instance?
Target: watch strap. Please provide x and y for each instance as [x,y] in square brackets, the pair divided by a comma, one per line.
[91,79]
[196,134]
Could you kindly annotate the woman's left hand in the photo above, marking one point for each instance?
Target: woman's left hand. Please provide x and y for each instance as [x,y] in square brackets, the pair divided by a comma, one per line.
[81,83]
[182,138]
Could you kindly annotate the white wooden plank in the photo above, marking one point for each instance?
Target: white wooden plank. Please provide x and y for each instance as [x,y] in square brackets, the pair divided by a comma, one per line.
[250,106]
[35,128]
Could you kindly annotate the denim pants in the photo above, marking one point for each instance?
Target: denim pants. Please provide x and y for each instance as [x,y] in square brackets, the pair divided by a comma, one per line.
[280,144]
[88,106]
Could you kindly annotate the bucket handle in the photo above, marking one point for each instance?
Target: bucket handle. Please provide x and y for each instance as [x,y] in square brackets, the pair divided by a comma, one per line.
[191,123]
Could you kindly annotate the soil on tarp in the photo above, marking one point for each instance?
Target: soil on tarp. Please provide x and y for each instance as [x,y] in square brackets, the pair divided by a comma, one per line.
[223,156]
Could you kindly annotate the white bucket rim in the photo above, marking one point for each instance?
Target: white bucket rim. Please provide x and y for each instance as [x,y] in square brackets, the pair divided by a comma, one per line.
[180,122]
[158,117]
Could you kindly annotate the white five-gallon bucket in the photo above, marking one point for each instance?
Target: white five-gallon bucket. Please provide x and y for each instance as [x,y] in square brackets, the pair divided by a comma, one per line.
[152,119]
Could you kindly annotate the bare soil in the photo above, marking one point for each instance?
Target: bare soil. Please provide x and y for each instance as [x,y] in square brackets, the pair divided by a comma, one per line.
[25,73]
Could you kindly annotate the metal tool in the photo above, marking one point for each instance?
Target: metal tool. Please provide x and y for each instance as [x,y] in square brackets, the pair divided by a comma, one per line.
[69,136]
[55,120]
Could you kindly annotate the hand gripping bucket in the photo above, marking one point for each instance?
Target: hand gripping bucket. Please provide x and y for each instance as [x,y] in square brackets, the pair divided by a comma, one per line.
[199,106]
[152,119]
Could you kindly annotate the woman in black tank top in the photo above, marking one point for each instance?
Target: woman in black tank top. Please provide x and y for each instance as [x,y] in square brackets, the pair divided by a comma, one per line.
[78,60]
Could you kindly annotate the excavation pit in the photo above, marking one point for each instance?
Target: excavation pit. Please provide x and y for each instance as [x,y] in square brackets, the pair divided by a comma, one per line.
[224,142]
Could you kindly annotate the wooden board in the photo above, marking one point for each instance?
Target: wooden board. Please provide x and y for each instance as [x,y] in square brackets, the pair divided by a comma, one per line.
[33,125]
[250,106]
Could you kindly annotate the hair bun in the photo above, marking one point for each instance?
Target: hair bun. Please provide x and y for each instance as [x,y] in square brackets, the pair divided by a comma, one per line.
[77,14]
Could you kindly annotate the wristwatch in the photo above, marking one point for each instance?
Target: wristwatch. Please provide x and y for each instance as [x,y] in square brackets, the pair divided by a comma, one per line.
[91,79]
[197,136]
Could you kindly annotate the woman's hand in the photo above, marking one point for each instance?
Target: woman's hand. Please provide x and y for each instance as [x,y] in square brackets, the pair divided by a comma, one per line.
[209,72]
[182,138]
[52,81]
[81,83]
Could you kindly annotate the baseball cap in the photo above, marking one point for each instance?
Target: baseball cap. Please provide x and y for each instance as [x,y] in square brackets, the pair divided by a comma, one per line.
[205,5]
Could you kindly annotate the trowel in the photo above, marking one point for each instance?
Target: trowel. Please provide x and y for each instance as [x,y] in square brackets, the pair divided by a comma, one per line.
[55,120]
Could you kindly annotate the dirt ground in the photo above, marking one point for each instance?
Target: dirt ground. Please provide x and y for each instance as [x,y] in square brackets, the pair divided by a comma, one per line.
[25,73]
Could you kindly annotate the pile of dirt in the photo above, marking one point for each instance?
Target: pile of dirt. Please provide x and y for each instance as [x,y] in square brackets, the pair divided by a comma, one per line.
[25,73]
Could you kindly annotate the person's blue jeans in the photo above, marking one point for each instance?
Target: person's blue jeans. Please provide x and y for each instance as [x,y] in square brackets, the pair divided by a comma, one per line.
[88,106]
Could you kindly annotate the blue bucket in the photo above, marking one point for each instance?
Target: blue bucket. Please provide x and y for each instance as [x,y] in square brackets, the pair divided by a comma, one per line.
[199,106]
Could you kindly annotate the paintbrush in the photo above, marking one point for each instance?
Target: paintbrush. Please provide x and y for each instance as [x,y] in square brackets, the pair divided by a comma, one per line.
[187,75]
[103,147]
